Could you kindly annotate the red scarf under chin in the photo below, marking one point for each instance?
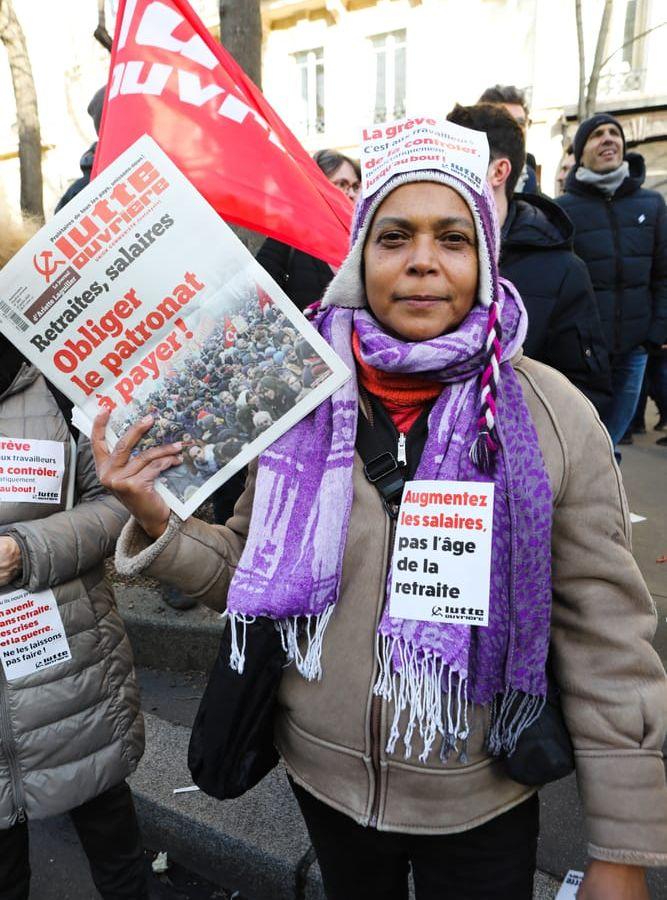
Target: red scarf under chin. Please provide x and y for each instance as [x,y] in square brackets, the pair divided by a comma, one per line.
[403,396]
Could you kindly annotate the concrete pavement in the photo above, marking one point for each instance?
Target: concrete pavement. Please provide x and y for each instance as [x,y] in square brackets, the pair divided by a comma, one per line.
[644,470]
[60,870]
[164,638]
[257,844]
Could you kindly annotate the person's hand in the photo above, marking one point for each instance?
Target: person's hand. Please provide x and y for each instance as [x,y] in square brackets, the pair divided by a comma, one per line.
[613,881]
[10,559]
[132,478]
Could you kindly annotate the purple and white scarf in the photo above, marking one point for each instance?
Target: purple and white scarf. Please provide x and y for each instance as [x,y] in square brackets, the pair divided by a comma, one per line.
[291,566]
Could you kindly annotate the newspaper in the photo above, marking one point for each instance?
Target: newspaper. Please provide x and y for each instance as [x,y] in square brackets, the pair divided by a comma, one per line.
[137,297]
[570,886]
[410,144]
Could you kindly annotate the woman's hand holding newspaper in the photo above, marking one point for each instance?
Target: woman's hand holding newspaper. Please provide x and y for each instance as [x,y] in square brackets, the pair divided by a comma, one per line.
[132,478]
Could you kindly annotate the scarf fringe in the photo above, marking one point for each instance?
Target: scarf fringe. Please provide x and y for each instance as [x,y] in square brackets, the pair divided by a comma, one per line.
[239,630]
[511,713]
[416,685]
[309,664]
[437,703]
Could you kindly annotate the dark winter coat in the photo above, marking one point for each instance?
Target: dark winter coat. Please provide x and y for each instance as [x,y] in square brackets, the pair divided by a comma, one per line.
[564,327]
[304,278]
[86,164]
[623,241]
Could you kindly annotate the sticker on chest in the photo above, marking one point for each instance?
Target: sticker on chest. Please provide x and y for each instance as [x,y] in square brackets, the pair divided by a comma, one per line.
[32,636]
[442,553]
[31,471]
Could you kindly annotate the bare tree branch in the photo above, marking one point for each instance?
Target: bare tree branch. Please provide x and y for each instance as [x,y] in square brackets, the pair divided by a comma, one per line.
[632,40]
[241,35]
[101,34]
[27,113]
[594,79]
[581,109]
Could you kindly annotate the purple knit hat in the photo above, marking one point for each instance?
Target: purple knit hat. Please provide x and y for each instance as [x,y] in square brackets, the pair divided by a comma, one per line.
[347,288]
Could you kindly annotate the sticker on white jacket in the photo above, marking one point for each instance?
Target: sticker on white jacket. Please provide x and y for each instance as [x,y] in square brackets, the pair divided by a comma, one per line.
[570,886]
[31,471]
[32,636]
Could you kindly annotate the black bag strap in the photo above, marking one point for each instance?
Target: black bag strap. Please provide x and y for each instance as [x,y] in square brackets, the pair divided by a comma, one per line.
[380,466]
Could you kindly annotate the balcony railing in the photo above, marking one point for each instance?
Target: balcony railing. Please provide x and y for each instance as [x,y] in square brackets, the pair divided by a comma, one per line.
[615,83]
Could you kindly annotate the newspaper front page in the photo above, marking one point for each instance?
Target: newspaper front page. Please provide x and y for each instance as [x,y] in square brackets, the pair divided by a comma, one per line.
[137,297]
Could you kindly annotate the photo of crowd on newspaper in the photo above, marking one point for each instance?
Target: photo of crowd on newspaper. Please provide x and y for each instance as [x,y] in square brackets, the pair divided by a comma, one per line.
[244,370]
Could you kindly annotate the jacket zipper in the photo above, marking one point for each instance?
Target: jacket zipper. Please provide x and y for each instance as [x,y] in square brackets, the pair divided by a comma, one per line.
[368,406]
[9,746]
[401,457]
[618,294]
[376,714]
[376,702]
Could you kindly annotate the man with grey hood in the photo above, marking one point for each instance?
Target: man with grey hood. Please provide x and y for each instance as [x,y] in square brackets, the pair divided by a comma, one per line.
[621,234]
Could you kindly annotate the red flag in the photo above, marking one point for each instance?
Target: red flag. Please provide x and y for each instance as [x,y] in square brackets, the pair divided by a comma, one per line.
[170,79]
[263,299]
[230,333]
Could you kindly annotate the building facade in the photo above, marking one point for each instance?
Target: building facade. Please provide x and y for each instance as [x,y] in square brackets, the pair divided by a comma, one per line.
[331,67]
[68,67]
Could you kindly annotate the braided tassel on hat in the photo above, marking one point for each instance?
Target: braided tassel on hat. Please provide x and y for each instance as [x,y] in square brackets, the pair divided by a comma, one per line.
[312,310]
[486,442]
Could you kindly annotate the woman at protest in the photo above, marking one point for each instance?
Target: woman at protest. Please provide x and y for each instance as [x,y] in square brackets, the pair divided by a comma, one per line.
[395,731]
[70,730]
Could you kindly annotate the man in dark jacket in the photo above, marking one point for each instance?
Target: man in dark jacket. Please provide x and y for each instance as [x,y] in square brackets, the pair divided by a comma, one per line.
[621,234]
[95,108]
[303,277]
[536,255]
[513,100]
